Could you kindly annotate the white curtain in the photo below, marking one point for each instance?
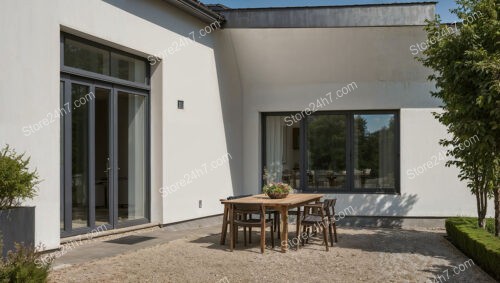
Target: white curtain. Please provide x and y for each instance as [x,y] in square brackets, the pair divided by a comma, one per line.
[274,148]
[136,158]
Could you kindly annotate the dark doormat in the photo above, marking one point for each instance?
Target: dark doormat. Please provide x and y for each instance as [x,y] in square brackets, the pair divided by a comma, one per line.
[130,240]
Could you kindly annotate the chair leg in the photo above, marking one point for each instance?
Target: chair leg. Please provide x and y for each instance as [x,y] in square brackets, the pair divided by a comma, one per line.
[250,231]
[330,228]
[233,236]
[236,232]
[297,229]
[245,216]
[277,224]
[325,236]
[245,236]
[272,236]
[335,231]
[303,240]
[308,235]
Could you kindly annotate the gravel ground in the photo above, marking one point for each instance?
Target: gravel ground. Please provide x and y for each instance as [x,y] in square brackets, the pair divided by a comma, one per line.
[361,255]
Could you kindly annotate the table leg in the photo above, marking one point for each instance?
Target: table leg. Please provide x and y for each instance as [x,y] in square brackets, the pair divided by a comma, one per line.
[231,227]
[297,234]
[224,225]
[284,228]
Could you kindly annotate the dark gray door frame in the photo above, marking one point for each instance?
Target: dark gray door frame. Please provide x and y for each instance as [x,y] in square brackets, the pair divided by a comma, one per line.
[66,190]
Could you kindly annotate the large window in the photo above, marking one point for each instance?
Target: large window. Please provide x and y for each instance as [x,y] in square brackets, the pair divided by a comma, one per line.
[344,151]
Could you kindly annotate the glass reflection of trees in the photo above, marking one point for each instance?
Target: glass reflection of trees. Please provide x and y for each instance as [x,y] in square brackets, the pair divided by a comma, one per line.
[374,150]
[326,142]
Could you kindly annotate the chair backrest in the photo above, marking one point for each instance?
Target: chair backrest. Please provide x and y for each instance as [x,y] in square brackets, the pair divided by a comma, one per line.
[329,206]
[248,208]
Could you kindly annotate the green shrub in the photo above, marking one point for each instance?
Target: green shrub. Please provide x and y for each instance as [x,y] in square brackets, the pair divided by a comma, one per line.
[477,243]
[24,265]
[490,225]
[17,182]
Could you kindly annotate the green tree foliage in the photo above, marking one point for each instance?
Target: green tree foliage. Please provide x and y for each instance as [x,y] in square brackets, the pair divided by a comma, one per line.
[466,66]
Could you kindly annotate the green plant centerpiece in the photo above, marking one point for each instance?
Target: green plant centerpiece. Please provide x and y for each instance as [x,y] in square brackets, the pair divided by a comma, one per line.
[277,190]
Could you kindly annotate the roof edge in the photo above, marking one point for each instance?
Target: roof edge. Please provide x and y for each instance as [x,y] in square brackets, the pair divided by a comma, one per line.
[198,10]
[228,9]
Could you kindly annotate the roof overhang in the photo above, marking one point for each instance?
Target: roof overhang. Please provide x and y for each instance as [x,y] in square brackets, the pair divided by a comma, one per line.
[198,10]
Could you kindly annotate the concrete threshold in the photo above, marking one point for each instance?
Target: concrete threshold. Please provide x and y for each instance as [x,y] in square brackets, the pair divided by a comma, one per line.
[110,232]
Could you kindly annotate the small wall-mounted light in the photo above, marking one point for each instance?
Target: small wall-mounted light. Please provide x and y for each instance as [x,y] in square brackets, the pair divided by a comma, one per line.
[180,104]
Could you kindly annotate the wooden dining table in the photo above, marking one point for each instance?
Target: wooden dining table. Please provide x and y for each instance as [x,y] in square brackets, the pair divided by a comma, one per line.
[282,205]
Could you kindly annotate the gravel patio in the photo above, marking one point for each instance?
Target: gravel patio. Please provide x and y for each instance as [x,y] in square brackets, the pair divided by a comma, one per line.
[361,255]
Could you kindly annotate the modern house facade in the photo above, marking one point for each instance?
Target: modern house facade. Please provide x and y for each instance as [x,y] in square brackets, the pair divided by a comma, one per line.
[149,112]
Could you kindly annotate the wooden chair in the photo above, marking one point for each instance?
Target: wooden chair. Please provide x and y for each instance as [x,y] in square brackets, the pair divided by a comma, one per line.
[320,214]
[329,206]
[262,222]
[226,220]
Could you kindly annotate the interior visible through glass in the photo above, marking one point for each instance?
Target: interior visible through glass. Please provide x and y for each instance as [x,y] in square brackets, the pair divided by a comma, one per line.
[102,156]
[282,151]
[80,156]
[374,151]
[131,156]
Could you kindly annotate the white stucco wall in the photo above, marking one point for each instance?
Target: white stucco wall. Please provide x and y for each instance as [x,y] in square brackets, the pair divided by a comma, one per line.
[182,140]
[225,80]
[286,69]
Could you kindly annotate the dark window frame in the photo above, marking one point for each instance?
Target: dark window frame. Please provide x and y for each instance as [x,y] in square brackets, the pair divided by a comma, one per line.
[97,76]
[350,189]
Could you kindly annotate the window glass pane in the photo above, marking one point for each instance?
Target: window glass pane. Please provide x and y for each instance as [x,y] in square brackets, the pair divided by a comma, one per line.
[80,156]
[131,156]
[102,155]
[326,140]
[128,68]
[86,57]
[374,151]
[282,152]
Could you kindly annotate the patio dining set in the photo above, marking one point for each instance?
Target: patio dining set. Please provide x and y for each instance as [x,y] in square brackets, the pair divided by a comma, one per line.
[262,212]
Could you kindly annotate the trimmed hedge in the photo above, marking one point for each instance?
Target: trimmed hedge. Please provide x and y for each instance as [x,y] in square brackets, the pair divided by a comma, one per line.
[481,246]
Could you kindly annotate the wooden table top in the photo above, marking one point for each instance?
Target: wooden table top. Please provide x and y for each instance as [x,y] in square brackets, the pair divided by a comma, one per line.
[291,199]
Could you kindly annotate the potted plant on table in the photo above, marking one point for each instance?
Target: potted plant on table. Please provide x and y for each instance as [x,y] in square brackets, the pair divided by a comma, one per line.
[17,183]
[277,190]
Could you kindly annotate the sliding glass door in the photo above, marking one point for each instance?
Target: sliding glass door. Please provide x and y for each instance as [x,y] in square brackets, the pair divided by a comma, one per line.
[341,151]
